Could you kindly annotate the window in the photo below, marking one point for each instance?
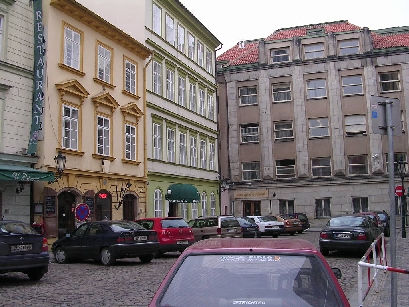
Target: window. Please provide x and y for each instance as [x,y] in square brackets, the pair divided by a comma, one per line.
[170,30]
[103,136]
[318,127]
[315,31]
[200,54]
[389,81]
[183,207]
[280,55]
[282,92]
[193,152]
[212,204]
[210,107]
[158,205]
[209,61]
[157,78]
[130,77]
[157,141]
[130,142]
[202,107]
[170,84]
[157,19]
[352,85]
[249,133]
[182,149]
[171,145]
[360,204]
[285,206]
[358,165]
[70,128]
[316,88]
[192,97]
[182,91]
[349,46]
[285,169]
[72,47]
[104,64]
[248,95]
[314,51]
[283,131]
[194,211]
[181,38]
[323,207]
[321,167]
[190,46]
[203,154]
[355,124]
[1,35]
[212,154]
[204,204]
[396,157]
[251,171]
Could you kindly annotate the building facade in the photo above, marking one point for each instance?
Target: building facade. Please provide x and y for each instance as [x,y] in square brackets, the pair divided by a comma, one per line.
[296,120]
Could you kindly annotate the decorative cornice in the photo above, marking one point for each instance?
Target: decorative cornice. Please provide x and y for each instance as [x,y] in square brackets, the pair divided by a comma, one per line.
[105,99]
[73,87]
[132,110]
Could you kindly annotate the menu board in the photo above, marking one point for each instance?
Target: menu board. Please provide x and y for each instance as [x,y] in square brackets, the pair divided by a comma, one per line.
[90,202]
[50,205]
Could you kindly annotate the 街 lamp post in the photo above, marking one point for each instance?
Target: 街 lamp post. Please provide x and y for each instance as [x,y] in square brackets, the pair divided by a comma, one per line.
[402,173]
[60,160]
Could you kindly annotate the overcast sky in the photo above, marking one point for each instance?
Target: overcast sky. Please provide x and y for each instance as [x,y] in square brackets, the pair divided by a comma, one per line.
[234,20]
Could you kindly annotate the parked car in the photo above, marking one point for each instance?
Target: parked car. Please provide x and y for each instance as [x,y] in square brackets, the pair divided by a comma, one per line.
[174,233]
[385,220]
[268,272]
[303,218]
[268,224]
[22,249]
[222,226]
[106,241]
[249,228]
[375,217]
[291,225]
[353,233]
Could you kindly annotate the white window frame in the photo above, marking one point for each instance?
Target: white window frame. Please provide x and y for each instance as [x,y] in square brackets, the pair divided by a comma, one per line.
[314,51]
[202,105]
[190,46]
[282,92]
[130,142]
[181,38]
[249,133]
[103,133]
[318,127]
[247,96]
[210,106]
[212,204]
[283,131]
[130,77]
[315,88]
[212,154]
[285,169]
[356,167]
[193,151]
[170,29]
[355,125]
[348,46]
[70,127]
[170,84]
[200,54]
[182,91]
[72,48]
[390,81]
[203,200]
[321,167]
[194,210]
[192,97]
[157,77]
[171,133]
[157,141]
[157,19]
[352,85]
[277,57]
[250,171]
[183,209]
[158,203]
[2,31]
[209,61]
[182,148]
[104,63]
[203,154]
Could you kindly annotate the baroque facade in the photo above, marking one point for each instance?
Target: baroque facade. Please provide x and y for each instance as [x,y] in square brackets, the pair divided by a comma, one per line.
[296,119]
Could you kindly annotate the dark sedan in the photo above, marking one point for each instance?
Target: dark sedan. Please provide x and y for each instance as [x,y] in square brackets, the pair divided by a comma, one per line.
[385,221]
[249,228]
[22,249]
[107,241]
[348,233]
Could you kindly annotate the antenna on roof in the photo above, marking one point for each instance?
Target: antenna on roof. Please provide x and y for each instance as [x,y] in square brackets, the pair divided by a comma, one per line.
[241,44]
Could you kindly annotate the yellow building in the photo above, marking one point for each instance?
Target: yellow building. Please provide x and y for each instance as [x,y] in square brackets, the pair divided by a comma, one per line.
[93,106]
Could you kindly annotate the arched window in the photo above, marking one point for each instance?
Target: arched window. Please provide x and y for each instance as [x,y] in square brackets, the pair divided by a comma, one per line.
[158,205]
[194,210]
[204,204]
[212,204]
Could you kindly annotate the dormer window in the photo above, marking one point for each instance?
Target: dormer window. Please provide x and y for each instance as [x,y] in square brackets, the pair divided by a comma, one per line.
[314,51]
[350,46]
[317,31]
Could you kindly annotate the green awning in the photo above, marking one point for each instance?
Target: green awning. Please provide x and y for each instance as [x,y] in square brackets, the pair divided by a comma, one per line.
[23,173]
[182,193]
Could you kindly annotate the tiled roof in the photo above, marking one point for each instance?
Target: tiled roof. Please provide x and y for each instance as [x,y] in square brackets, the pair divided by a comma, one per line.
[390,40]
[241,56]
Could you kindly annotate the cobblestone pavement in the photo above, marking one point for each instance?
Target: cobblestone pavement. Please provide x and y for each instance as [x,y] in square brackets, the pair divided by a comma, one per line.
[131,283]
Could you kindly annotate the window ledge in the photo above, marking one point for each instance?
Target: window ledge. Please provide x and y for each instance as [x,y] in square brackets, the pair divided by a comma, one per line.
[71,151]
[103,83]
[125,161]
[70,69]
[102,157]
[130,95]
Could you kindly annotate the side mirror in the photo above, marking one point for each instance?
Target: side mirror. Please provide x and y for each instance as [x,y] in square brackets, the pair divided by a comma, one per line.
[337,272]
[67,235]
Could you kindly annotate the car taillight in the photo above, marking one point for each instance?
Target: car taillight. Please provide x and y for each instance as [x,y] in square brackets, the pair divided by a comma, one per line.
[324,235]
[124,239]
[288,223]
[361,236]
[219,231]
[45,245]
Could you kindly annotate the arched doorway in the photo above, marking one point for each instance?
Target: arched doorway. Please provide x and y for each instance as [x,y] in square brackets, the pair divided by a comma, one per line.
[130,207]
[66,214]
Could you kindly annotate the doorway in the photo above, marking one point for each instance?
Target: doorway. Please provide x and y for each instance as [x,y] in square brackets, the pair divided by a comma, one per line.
[129,207]
[251,208]
[66,214]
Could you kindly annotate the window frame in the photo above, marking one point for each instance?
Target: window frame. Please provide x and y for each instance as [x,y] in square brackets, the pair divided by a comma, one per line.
[65,130]
[130,154]
[80,45]
[396,81]
[361,202]
[320,127]
[170,29]
[246,133]
[250,172]
[277,131]
[212,155]
[157,77]
[314,53]
[192,97]
[104,63]
[182,148]
[288,168]
[170,84]
[351,127]
[193,150]
[349,48]
[212,204]
[250,96]
[203,200]
[322,170]
[200,54]
[317,88]
[282,56]
[182,91]
[158,203]
[209,61]
[322,207]
[106,136]
[157,141]
[203,154]
[130,76]
[210,106]
[181,38]
[191,46]
[351,165]
[352,86]
[281,88]
[202,105]
[171,145]
[157,19]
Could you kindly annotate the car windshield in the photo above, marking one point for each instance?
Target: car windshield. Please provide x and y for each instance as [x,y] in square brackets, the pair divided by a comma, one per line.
[174,223]
[301,217]
[258,279]
[382,217]
[16,227]
[346,221]
[229,222]
[118,226]
[267,218]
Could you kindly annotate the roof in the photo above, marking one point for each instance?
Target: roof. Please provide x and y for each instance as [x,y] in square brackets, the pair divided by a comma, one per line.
[250,244]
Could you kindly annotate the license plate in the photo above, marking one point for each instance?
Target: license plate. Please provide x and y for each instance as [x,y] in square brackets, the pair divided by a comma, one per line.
[230,230]
[182,242]
[21,248]
[140,238]
[250,229]
[342,236]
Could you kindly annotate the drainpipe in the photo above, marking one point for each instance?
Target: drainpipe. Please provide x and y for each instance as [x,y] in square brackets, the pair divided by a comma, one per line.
[218,131]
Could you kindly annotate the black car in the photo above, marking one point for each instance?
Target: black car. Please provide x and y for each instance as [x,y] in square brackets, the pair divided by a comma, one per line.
[249,228]
[22,249]
[303,218]
[107,241]
[385,221]
[348,233]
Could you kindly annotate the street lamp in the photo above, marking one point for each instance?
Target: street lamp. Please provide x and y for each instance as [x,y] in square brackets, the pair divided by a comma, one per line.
[402,173]
[60,160]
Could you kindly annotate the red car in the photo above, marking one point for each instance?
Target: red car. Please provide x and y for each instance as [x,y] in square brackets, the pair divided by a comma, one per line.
[174,233]
[245,271]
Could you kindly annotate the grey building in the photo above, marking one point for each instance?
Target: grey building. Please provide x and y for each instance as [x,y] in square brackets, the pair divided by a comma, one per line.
[295,119]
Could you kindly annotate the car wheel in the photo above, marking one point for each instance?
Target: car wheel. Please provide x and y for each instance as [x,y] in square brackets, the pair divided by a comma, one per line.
[205,237]
[299,231]
[36,274]
[60,255]
[106,257]
[324,252]
[159,254]
[146,258]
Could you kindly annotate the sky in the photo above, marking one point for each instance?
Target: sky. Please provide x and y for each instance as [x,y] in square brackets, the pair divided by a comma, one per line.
[234,20]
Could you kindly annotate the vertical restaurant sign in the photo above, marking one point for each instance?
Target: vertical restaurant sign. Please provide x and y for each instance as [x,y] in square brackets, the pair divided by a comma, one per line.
[38,93]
